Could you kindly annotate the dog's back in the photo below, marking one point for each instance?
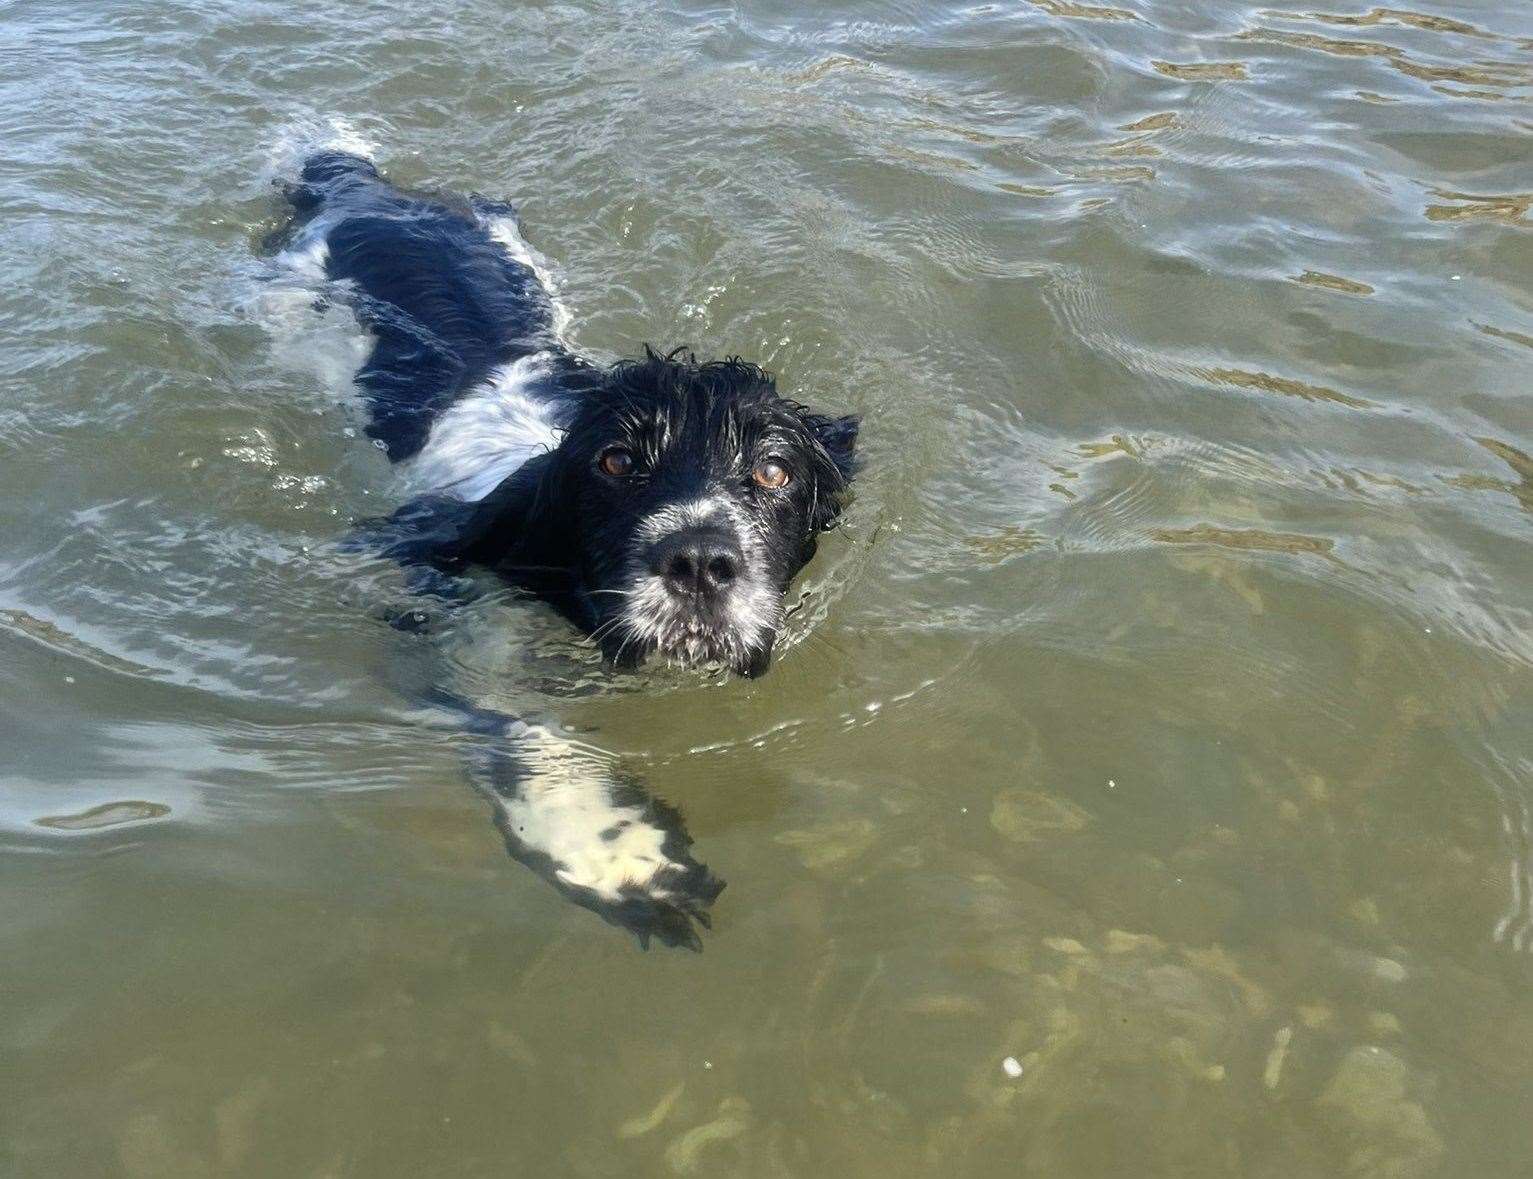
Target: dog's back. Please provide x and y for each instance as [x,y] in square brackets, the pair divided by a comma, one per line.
[454,301]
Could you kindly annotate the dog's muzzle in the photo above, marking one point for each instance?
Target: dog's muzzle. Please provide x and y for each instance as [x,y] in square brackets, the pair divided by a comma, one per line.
[697,571]
[698,566]
[695,599]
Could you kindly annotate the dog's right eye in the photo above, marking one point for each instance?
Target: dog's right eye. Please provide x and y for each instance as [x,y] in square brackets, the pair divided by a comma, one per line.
[616,461]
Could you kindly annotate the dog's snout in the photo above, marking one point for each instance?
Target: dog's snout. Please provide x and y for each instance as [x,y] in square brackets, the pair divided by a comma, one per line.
[698,562]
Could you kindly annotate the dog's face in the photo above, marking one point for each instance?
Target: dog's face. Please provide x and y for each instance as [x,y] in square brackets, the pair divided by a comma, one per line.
[695,494]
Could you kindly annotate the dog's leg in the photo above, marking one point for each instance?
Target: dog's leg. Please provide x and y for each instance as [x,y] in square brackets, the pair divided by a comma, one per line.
[422,535]
[595,834]
[568,812]
[565,809]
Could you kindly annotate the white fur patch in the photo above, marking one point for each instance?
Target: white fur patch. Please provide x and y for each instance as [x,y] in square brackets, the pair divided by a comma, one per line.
[564,809]
[483,437]
[653,618]
[695,514]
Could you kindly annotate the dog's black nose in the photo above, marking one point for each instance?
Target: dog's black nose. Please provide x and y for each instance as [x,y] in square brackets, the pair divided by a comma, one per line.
[698,562]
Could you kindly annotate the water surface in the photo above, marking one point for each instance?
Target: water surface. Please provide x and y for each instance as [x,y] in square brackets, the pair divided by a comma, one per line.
[1161,721]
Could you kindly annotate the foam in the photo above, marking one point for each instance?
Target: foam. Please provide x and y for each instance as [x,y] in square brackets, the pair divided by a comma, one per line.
[302,137]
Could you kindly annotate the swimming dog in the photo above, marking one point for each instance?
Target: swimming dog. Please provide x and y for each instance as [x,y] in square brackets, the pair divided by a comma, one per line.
[662,504]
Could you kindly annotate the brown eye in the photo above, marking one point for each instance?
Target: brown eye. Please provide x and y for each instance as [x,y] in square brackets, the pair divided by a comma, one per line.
[771,474]
[616,462]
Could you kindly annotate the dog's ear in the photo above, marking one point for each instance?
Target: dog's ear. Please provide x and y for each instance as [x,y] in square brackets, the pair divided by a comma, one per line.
[524,520]
[838,436]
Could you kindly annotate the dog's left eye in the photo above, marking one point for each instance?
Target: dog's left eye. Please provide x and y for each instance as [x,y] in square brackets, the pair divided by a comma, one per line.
[616,461]
[771,474]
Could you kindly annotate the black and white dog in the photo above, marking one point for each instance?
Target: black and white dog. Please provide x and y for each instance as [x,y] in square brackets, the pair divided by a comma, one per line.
[662,504]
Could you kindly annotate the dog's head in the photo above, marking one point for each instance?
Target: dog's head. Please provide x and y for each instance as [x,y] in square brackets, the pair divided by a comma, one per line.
[692,493]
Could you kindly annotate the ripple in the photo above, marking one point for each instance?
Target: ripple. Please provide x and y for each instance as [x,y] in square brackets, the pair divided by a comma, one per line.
[1511,208]
[1333,282]
[1115,174]
[1505,334]
[1084,11]
[1396,16]
[1514,928]
[1493,75]
[1521,464]
[108,814]
[1286,386]
[1246,540]
[1110,521]
[55,638]
[1027,190]
[1163,121]
[1008,541]
[1203,71]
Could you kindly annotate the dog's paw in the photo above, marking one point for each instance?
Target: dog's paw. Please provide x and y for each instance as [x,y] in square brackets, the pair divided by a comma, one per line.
[414,621]
[674,921]
[654,896]
[597,835]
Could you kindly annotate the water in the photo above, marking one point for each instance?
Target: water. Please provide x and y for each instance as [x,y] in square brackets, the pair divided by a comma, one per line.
[1161,720]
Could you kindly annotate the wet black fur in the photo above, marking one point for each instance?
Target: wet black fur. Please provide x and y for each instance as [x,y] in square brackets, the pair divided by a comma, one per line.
[444,301]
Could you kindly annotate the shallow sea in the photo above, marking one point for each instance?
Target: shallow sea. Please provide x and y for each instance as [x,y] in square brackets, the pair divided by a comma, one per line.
[1147,784]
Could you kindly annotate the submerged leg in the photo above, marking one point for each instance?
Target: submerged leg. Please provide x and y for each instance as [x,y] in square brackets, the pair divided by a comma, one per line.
[594,832]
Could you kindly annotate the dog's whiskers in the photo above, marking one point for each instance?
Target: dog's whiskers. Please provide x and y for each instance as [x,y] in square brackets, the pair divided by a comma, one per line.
[632,637]
[607,627]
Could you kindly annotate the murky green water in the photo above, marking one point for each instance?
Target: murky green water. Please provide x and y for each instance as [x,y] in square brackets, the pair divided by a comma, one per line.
[1162,720]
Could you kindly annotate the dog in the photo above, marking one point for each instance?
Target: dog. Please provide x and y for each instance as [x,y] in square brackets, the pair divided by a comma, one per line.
[662,504]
